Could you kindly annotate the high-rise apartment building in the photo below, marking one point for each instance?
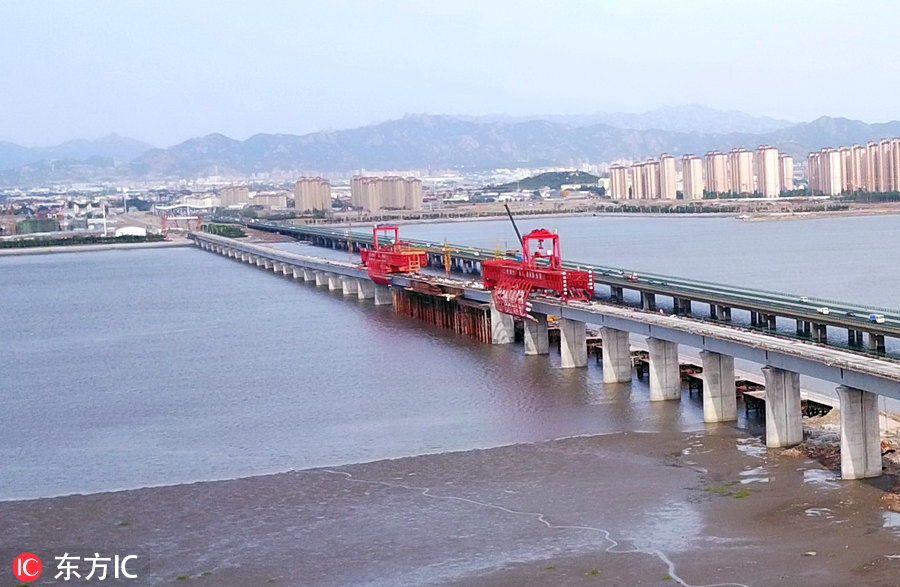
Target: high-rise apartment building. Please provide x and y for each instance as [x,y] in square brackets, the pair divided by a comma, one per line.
[311,194]
[234,196]
[717,176]
[874,167]
[618,182]
[392,192]
[692,177]
[871,167]
[768,177]
[884,172]
[638,188]
[668,178]
[857,169]
[650,169]
[785,172]
[740,167]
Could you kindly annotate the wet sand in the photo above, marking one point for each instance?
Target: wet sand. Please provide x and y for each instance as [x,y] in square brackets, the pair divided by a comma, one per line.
[622,509]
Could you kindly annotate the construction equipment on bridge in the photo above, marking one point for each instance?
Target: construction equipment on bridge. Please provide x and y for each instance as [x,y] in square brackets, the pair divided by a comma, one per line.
[173,223]
[540,270]
[390,255]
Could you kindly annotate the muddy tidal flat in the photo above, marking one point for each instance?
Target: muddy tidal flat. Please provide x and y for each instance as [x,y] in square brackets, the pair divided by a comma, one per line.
[710,508]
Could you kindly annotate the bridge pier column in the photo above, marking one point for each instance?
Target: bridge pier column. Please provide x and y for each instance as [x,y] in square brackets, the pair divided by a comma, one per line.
[854,338]
[682,306]
[648,300]
[616,293]
[719,392]
[724,313]
[309,275]
[502,327]
[321,278]
[784,425]
[665,373]
[860,433]
[245,257]
[350,285]
[276,267]
[383,295]
[365,289]
[260,261]
[297,272]
[803,328]
[714,311]
[334,282]
[616,355]
[572,343]
[537,341]
[820,333]
[754,318]
[876,343]
[772,322]
[286,269]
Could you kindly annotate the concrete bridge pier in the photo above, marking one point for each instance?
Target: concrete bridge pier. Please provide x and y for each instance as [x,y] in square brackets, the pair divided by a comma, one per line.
[245,257]
[537,339]
[350,286]
[309,275]
[719,392]
[297,272]
[665,372]
[771,322]
[383,295]
[260,261]
[854,338]
[754,318]
[784,425]
[572,343]
[502,327]
[804,328]
[876,343]
[276,267]
[616,355]
[321,278]
[820,333]
[335,283]
[616,293]
[648,300]
[860,434]
[724,313]
[287,269]
[681,305]
[365,289]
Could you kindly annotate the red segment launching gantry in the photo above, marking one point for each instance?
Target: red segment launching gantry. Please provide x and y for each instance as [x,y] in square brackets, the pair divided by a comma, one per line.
[390,255]
[540,270]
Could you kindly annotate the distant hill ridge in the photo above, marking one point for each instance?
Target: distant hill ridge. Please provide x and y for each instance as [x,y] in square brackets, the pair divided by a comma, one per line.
[413,142]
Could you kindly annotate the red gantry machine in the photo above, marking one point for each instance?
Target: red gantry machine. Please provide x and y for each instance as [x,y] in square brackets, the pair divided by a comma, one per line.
[540,270]
[390,255]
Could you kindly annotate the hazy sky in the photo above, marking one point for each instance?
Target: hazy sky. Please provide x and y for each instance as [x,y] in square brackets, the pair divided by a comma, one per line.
[164,71]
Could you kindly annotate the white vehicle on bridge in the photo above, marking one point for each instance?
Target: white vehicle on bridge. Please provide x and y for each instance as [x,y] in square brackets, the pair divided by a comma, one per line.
[876,318]
[823,310]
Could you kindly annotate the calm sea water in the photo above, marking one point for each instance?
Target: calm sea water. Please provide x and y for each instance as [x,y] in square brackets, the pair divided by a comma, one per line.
[123,369]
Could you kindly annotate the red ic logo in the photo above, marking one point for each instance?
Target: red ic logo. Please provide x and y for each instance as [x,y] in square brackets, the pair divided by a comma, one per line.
[27,567]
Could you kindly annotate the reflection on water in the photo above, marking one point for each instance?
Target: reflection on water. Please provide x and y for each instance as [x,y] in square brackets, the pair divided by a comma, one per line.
[135,368]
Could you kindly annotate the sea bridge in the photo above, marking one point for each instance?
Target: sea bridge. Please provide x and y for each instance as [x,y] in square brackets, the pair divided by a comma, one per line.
[461,303]
[846,324]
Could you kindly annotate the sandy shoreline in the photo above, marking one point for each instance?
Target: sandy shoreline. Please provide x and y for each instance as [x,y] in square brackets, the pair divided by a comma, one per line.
[637,508]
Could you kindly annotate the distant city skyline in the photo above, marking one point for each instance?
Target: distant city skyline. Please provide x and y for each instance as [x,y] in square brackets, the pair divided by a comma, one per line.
[166,71]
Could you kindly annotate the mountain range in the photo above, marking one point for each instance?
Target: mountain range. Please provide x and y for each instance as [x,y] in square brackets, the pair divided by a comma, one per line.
[434,142]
